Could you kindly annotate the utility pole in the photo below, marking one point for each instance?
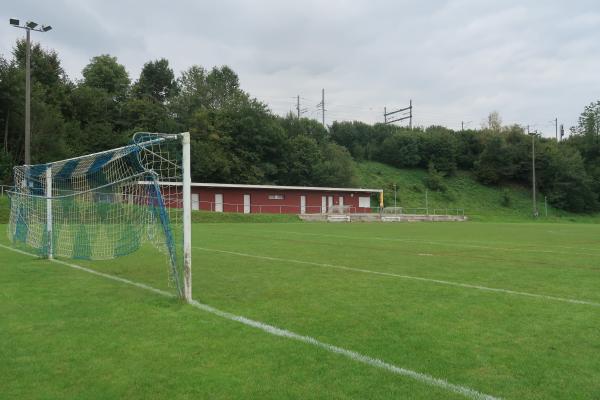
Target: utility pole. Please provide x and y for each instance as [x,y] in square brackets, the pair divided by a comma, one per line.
[299,110]
[385,115]
[411,115]
[462,126]
[394,197]
[556,128]
[323,104]
[533,135]
[29,26]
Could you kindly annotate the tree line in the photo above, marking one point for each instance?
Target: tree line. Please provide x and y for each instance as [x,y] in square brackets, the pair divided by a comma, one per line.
[237,139]
[568,171]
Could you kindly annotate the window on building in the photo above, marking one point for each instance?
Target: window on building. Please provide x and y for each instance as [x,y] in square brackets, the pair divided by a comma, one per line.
[276,197]
[364,202]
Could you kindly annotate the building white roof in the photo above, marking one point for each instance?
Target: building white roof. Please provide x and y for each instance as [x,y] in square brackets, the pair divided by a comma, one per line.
[275,187]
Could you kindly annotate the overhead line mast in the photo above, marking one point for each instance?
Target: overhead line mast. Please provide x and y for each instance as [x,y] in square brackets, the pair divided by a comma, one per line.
[399,115]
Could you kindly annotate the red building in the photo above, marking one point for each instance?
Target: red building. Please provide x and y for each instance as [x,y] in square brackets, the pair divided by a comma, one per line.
[222,197]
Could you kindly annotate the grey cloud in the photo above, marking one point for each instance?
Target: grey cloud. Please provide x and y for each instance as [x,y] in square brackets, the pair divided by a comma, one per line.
[458,60]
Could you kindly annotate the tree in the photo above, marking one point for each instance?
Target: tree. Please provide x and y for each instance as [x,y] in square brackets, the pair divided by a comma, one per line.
[192,94]
[469,146]
[586,139]
[217,89]
[11,109]
[104,72]
[336,167]
[223,87]
[48,139]
[400,150]
[45,64]
[157,81]
[302,161]
[49,92]
[562,176]
[493,122]
[493,165]
[439,146]
[304,127]
[145,114]
[434,179]
[362,140]
[589,121]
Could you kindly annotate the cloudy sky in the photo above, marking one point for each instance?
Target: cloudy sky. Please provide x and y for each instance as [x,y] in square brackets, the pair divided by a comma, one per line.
[457,60]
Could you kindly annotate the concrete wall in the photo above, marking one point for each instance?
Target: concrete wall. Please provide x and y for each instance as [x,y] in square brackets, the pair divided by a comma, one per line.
[398,218]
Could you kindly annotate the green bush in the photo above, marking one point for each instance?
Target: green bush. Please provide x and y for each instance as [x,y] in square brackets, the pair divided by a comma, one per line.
[435,180]
[506,200]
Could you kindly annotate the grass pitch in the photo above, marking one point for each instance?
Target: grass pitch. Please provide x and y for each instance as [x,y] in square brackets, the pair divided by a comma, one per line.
[507,310]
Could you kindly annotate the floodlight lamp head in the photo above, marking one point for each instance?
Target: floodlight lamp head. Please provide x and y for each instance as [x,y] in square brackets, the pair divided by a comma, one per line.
[31,24]
[46,28]
[14,22]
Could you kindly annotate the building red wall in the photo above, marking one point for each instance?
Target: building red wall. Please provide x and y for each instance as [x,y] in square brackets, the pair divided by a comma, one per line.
[233,200]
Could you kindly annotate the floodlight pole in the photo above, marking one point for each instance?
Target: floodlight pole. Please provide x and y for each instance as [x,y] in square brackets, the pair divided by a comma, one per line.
[29,26]
[28,99]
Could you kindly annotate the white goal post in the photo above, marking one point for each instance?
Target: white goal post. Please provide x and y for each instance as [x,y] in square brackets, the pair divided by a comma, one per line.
[96,207]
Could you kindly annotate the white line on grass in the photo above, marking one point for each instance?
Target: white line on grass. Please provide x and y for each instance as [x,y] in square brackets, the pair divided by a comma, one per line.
[371,361]
[441,243]
[417,278]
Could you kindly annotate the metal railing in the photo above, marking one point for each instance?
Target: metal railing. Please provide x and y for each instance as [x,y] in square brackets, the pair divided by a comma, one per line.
[448,211]
[4,189]
[417,211]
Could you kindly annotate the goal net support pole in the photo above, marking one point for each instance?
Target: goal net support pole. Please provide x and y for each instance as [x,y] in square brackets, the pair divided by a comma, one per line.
[49,210]
[187,218]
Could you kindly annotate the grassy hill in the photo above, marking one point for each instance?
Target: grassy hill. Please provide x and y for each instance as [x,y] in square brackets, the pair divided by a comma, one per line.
[480,202]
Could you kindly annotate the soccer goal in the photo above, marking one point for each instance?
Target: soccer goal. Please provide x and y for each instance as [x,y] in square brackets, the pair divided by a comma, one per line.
[106,205]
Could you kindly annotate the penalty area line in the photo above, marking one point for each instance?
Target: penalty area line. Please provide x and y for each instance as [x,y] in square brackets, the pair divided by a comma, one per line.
[442,243]
[273,330]
[416,278]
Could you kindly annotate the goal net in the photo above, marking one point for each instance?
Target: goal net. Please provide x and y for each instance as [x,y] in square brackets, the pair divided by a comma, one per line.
[109,204]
